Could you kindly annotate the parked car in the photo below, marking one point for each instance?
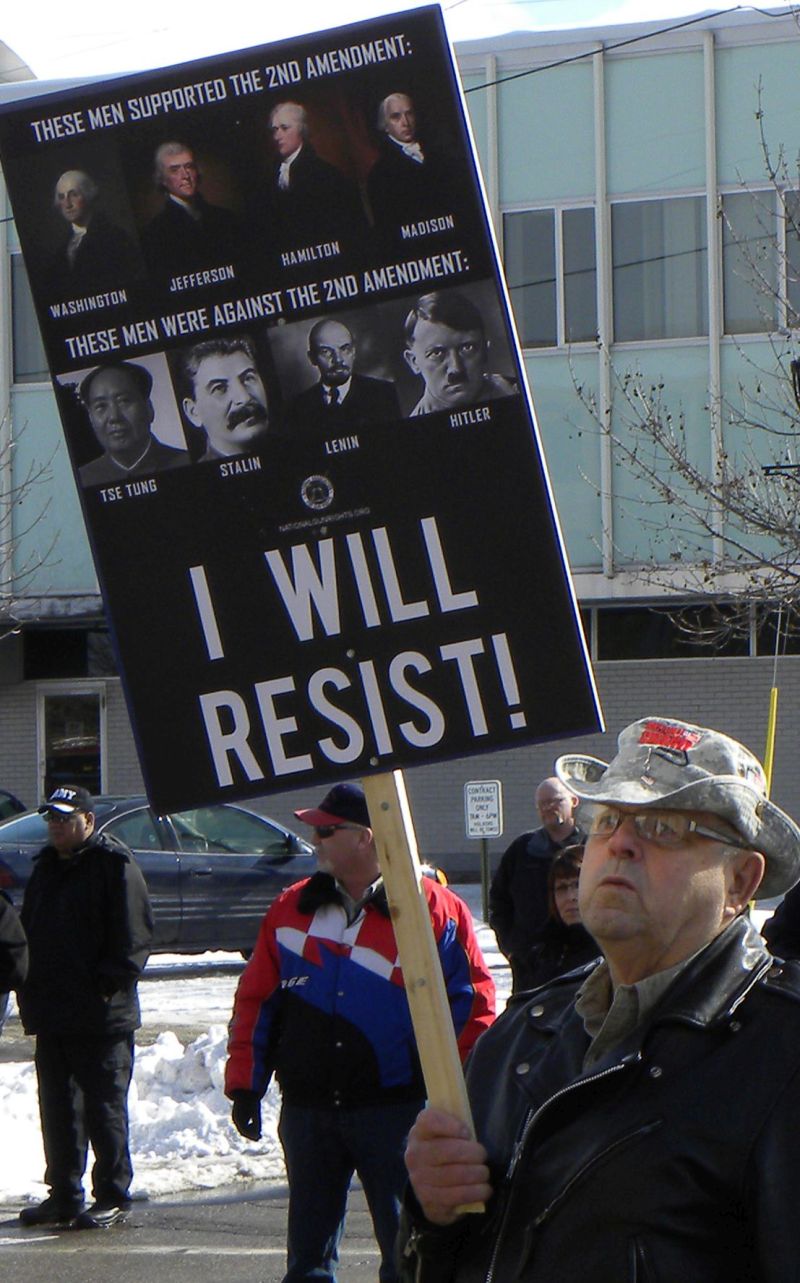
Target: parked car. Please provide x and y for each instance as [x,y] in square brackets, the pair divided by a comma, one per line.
[211,872]
[10,805]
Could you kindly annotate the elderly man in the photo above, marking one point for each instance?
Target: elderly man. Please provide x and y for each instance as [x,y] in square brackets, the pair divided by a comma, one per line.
[446,345]
[227,397]
[518,896]
[313,202]
[118,401]
[341,399]
[637,1119]
[411,180]
[95,253]
[322,1005]
[188,233]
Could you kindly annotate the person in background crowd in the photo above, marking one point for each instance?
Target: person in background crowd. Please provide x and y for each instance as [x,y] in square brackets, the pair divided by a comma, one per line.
[518,896]
[563,942]
[87,916]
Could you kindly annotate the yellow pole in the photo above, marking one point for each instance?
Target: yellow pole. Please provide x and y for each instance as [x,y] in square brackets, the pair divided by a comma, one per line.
[769,751]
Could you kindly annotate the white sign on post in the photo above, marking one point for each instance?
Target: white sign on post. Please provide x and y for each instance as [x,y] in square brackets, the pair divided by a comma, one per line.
[483,808]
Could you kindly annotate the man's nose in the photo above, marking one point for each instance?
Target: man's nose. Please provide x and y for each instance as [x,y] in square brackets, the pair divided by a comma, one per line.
[625,841]
[455,363]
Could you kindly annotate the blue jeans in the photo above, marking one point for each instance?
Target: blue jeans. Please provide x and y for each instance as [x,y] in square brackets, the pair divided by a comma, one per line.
[322,1148]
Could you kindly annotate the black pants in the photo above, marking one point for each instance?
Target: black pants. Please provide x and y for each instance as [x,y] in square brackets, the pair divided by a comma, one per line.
[83,1096]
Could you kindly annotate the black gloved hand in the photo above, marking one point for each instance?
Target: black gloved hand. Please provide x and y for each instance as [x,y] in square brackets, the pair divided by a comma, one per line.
[246,1113]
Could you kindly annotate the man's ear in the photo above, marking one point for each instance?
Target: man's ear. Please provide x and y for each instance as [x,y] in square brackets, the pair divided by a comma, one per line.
[190,410]
[411,361]
[743,874]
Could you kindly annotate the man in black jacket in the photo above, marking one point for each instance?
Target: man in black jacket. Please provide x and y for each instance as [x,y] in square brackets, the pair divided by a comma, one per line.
[518,896]
[637,1121]
[88,921]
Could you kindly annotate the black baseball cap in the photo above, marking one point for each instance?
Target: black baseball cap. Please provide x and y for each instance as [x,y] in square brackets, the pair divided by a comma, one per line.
[67,799]
[343,804]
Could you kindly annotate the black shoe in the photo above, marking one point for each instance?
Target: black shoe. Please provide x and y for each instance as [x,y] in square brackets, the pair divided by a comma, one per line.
[51,1212]
[101,1216]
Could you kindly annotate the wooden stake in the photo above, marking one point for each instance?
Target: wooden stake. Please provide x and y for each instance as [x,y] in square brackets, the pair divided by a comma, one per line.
[390,818]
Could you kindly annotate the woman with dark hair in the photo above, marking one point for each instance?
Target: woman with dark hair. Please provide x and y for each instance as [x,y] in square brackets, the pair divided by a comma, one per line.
[563,942]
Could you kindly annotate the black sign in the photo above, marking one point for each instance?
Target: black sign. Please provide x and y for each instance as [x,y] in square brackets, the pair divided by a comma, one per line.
[295,407]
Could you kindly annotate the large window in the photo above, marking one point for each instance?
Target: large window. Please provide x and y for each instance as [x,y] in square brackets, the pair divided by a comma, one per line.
[660,257]
[550,267]
[792,257]
[30,363]
[760,260]
[750,262]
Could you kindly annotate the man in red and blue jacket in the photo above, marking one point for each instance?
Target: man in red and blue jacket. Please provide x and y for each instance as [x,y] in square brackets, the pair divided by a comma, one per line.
[322,1005]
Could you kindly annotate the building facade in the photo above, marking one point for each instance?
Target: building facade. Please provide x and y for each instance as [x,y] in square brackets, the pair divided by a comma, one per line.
[626,173]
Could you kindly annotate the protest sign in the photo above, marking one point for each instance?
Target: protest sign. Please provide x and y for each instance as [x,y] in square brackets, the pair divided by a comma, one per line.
[293,399]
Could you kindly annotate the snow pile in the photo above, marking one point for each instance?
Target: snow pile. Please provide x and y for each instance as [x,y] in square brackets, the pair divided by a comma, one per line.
[181,1134]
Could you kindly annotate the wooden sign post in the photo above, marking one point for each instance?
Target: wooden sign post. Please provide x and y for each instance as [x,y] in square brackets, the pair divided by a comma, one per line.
[392,825]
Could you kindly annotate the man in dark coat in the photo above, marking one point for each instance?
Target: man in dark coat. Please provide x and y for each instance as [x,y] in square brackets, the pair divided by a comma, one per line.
[189,233]
[341,399]
[313,203]
[87,917]
[518,896]
[411,181]
[95,254]
[638,1121]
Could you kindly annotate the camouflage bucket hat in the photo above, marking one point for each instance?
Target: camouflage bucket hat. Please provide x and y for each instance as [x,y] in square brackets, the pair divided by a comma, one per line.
[665,763]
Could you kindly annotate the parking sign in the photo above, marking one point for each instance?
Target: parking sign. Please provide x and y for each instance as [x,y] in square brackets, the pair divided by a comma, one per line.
[483,807]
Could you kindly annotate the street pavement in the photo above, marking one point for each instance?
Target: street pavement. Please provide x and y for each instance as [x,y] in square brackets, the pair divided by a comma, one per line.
[224,1236]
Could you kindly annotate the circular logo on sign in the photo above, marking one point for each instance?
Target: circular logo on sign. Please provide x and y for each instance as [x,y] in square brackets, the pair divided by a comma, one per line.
[317,493]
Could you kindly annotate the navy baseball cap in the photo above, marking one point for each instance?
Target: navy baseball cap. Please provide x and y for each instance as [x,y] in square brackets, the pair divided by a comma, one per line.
[67,799]
[343,804]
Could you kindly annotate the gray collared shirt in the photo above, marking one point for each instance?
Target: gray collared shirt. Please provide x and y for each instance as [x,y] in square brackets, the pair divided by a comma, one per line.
[609,1014]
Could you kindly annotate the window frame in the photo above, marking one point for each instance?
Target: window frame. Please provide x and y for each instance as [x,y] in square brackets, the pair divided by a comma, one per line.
[557,209]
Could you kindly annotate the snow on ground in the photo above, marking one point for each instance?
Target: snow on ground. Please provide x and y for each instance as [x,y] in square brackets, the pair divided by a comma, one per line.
[181,1134]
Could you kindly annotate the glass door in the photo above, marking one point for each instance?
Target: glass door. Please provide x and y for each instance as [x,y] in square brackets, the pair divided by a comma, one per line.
[71,738]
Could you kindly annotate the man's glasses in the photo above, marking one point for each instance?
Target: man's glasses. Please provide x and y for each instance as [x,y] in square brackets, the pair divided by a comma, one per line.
[663,828]
[328,830]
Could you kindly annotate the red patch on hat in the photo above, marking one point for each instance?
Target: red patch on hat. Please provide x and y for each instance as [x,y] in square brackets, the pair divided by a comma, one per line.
[663,735]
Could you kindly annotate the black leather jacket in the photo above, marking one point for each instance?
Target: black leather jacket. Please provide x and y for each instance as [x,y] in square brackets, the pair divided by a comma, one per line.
[673,1160]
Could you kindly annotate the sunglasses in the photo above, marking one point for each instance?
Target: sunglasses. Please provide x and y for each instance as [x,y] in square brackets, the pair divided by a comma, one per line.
[59,817]
[328,830]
